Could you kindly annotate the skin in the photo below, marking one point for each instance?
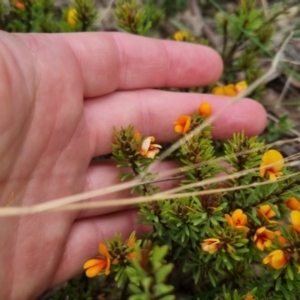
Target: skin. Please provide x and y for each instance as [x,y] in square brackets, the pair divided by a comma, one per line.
[60,97]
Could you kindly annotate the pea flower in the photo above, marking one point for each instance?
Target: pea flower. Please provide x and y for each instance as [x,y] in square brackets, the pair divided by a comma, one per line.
[182,36]
[277,259]
[94,266]
[241,86]
[293,203]
[130,243]
[72,16]
[295,219]
[205,109]
[263,238]
[281,240]
[211,245]
[183,124]
[148,149]
[19,4]
[272,163]
[237,219]
[137,135]
[230,90]
[266,211]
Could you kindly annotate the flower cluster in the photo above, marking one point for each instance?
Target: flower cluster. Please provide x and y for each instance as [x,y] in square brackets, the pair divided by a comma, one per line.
[229,226]
[230,90]
[185,123]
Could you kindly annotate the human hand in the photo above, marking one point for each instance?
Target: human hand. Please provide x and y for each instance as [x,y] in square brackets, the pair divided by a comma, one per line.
[61,95]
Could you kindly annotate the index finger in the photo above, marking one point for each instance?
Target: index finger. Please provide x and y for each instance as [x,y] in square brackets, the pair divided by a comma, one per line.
[118,61]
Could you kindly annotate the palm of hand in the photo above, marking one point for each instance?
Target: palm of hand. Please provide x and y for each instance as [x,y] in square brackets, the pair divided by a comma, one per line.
[50,132]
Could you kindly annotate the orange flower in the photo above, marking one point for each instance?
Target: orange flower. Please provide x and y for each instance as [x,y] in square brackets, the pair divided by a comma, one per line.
[263,238]
[238,219]
[130,243]
[272,163]
[148,149]
[266,211]
[205,109]
[293,203]
[277,259]
[230,90]
[211,245]
[183,124]
[295,219]
[19,4]
[94,266]
[227,90]
[282,240]
[72,16]
[249,297]
[137,135]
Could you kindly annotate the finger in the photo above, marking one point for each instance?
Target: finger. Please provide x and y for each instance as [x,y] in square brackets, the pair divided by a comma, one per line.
[118,61]
[106,174]
[85,235]
[153,112]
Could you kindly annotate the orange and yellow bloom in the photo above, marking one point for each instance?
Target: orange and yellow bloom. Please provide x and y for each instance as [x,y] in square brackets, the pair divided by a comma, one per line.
[183,124]
[277,259]
[148,149]
[19,4]
[230,90]
[182,36]
[263,238]
[95,266]
[211,245]
[272,163]
[72,16]
[295,219]
[266,211]
[293,203]
[130,243]
[205,109]
[237,219]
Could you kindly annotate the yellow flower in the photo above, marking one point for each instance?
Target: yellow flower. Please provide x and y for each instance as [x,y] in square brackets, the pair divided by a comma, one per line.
[227,90]
[272,163]
[211,245]
[263,238]
[94,266]
[72,16]
[205,109]
[148,149]
[266,211]
[182,36]
[293,203]
[277,259]
[238,219]
[230,90]
[19,4]
[295,219]
[183,124]
[241,86]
